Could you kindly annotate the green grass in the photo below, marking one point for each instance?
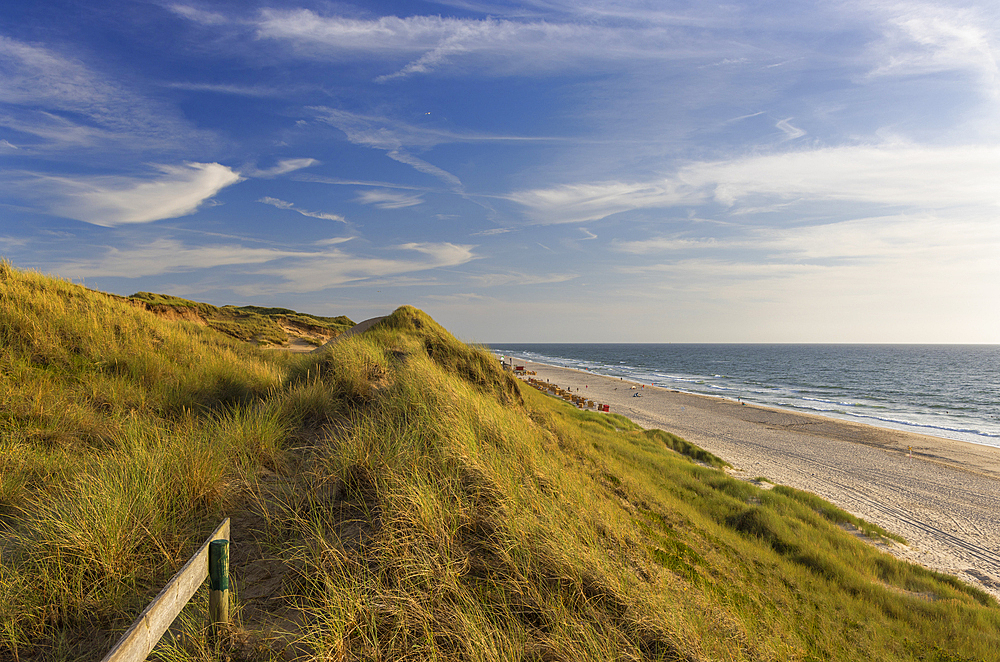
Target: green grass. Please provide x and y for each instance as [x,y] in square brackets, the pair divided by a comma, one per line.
[400,497]
[247,323]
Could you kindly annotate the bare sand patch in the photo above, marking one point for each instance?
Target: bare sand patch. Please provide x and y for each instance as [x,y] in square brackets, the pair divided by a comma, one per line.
[943,496]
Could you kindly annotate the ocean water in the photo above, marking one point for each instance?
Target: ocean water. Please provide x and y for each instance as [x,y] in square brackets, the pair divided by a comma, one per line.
[950,391]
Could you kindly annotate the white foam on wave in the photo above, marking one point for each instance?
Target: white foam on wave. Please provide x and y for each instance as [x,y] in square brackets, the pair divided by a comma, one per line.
[772,395]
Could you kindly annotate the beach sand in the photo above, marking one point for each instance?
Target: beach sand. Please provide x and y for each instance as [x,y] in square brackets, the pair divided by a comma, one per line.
[944,499]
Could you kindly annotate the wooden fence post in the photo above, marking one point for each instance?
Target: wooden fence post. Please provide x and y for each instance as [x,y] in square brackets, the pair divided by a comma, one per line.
[218,578]
[145,632]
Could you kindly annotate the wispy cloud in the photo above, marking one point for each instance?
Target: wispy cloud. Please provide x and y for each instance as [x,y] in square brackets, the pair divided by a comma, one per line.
[492,232]
[671,244]
[197,15]
[436,41]
[379,134]
[396,138]
[336,181]
[333,241]
[791,132]
[592,201]
[921,39]
[520,278]
[62,101]
[388,199]
[909,176]
[384,132]
[279,270]
[283,167]
[231,88]
[458,297]
[161,256]
[281,204]
[915,259]
[335,267]
[420,165]
[906,175]
[114,200]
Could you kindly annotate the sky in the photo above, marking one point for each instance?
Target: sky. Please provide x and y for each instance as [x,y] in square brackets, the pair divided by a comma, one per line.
[540,171]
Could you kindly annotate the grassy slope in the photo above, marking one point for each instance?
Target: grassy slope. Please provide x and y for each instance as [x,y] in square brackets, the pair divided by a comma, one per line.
[399,497]
[249,323]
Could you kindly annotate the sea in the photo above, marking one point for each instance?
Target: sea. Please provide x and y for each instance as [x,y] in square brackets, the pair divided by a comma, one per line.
[950,391]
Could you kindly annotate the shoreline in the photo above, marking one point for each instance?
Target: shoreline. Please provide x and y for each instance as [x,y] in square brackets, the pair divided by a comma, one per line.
[968,436]
[938,493]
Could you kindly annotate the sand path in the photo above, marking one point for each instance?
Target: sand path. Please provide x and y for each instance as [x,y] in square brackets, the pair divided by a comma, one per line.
[945,499]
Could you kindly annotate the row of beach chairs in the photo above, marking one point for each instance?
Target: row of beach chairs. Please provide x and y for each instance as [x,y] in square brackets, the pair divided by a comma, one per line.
[574,398]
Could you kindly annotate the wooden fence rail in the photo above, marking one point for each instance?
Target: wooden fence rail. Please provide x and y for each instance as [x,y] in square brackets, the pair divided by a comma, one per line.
[137,642]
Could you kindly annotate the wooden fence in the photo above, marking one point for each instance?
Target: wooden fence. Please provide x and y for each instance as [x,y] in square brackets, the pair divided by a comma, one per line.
[139,640]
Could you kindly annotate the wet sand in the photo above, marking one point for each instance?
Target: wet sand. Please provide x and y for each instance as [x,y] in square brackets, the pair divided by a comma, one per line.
[944,498]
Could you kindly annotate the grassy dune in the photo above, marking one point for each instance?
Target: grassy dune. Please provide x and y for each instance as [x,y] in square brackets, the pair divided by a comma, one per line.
[265,326]
[399,497]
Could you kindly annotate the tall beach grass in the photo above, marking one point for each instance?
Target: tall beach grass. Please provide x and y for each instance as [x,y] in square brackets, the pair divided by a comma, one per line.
[400,497]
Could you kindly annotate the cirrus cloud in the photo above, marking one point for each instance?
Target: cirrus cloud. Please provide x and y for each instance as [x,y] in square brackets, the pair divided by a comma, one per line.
[112,200]
[268,270]
[281,204]
[908,176]
[388,199]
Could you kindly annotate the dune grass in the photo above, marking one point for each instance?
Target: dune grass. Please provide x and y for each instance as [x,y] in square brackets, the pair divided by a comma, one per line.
[407,500]
[248,323]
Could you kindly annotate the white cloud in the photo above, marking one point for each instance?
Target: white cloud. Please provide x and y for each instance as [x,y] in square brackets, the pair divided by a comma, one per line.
[924,39]
[520,278]
[492,232]
[570,203]
[917,278]
[427,168]
[295,270]
[908,176]
[281,204]
[791,132]
[64,102]
[57,132]
[162,256]
[378,133]
[444,254]
[33,73]
[282,167]
[657,245]
[394,136]
[334,267]
[238,90]
[386,133]
[199,15]
[109,201]
[951,236]
[568,39]
[388,199]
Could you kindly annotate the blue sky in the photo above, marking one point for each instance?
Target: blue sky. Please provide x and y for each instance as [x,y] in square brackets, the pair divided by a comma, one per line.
[541,171]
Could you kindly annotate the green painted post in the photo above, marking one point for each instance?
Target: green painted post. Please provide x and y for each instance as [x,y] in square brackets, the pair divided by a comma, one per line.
[218,578]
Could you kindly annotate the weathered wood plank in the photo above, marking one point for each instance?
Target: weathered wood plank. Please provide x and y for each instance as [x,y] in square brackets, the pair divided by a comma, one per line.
[137,642]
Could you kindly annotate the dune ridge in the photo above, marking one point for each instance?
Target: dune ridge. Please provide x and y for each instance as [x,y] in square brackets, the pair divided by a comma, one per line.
[940,494]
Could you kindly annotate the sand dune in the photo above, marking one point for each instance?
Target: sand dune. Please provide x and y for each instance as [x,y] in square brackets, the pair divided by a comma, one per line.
[944,498]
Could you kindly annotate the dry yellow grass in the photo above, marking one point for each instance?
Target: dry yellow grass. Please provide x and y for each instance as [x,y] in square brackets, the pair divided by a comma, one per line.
[401,498]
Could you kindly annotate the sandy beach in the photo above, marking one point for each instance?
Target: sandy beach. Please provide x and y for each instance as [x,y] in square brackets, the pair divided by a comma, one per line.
[943,497]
